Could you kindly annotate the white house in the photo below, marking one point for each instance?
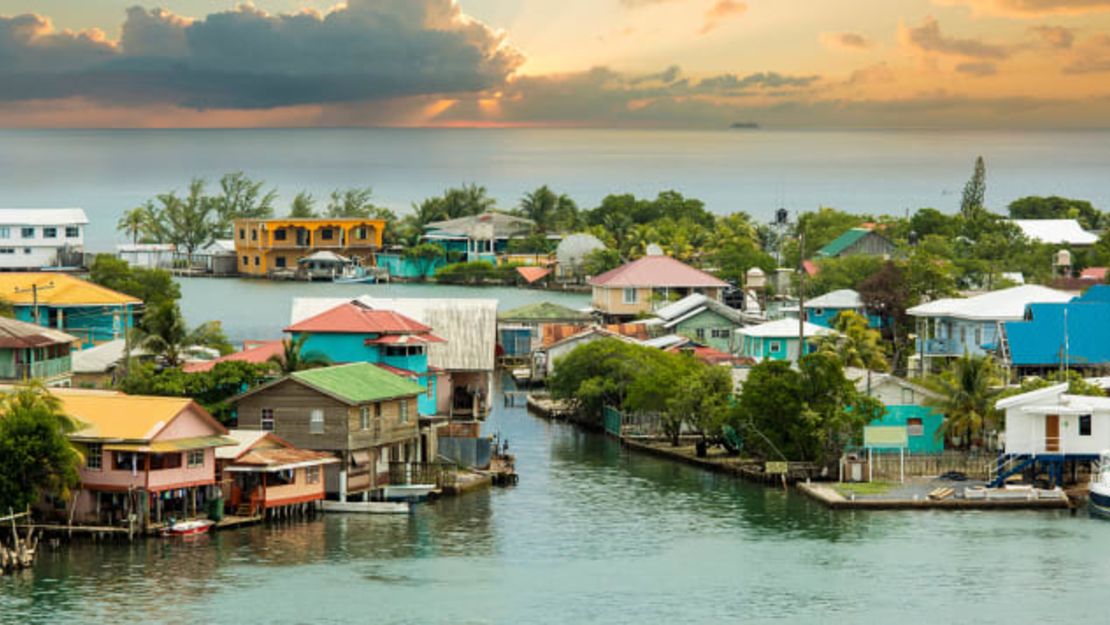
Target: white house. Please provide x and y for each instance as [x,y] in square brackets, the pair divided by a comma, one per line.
[37,238]
[147,255]
[1050,422]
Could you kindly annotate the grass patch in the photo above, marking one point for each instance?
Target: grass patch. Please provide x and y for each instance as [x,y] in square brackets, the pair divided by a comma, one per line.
[864,489]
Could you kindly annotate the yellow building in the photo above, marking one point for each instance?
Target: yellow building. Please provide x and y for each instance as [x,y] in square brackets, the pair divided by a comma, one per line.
[263,246]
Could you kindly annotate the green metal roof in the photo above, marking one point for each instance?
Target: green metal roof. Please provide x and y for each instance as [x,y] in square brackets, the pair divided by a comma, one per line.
[544,311]
[358,383]
[842,242]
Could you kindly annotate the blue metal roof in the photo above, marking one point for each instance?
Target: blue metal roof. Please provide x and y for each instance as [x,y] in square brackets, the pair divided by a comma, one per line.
[1078,328]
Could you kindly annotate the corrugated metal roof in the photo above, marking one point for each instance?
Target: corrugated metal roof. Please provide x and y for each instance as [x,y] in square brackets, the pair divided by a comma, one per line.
[1076,331]
[15,334]
[1056,231]
[543,311]
[244,440]
[358,383]
[657,272]
[121,417]
[784,328]
[843,298]
[487,225]
[844,241]
[358,318]
[1005,304]
[532,274]
[691,303]
[42,216]
[257,353]
[58,289]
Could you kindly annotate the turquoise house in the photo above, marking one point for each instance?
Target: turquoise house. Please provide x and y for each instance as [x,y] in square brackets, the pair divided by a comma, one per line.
[824,309]
[399,266]
[702,319]
[905,404]
[353,332]
[91,313]
[478,237]
[778,340]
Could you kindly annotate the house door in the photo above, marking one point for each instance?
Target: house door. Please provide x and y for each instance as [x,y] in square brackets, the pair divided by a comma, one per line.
[1052,432]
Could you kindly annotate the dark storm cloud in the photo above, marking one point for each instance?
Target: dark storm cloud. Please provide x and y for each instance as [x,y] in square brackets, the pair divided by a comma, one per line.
[245,58]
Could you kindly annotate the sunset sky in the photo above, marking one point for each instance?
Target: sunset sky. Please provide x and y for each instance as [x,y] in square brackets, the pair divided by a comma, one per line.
[608,63]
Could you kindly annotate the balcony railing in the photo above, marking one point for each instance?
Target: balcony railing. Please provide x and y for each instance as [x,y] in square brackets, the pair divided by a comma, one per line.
[44,369]
[936,346]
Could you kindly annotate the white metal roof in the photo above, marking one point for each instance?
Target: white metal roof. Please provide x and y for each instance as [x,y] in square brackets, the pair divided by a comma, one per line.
[102,357]
[663,342]
[843,298]
[784,328]
[42,216]
[244,439]
[1056,231]
[1004,305]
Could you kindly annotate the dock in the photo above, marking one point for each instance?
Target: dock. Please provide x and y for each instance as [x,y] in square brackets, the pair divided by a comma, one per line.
[1000,499]
[744,468]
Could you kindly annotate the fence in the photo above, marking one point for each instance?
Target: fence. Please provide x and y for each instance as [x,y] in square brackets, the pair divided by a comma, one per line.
[405,473]
[975,465]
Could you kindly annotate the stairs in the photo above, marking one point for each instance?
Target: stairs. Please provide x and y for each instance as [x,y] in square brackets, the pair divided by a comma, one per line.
[243,510]
[1010,466]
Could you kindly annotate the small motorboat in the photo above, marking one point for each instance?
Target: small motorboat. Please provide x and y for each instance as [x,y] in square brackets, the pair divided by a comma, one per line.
[1098,497]
[408,492]
[368,507]
[188,528]
[353,274]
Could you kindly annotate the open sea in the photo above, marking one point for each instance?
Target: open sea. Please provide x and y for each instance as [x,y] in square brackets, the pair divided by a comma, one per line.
[874,171]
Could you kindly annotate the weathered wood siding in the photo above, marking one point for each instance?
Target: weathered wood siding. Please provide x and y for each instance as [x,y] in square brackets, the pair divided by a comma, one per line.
[293,404]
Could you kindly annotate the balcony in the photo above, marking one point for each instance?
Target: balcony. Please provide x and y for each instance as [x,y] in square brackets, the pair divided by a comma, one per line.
[937,347]
[44,369]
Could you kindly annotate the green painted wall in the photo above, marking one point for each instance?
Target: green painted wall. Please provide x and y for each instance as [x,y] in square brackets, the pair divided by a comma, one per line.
[707,321]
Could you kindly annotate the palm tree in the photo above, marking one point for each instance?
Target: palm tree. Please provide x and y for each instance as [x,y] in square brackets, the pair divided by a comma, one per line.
[36,455]
[166,334]
[134,222]
[293,358]
[967,392]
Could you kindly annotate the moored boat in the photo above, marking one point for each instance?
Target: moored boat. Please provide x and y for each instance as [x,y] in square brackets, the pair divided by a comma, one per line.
[368,507]
[188,528]
[1098,497]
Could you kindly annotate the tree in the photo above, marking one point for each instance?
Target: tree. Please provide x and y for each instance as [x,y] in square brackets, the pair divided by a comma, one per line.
[1055,207]
[967,392]
[135,223]
[820,228]
[210,334]
[241,198]
[190,223]
[598,374]
[152,286]
[166,333]
[424,257]
[930,221]
[845,272]
[975,191]
[856,344]
[550,211]
[36,456]
[599,261]
[769,411]
[293,357]
[303,206]
[466,201]
[212,389]
[353,202]
[886,293]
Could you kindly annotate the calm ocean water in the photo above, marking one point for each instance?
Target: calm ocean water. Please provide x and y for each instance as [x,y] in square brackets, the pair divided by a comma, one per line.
[108,171]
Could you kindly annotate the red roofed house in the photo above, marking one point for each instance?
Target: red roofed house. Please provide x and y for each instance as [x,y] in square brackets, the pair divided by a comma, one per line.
[255,352]
[644,284]
[263,472]
[354,332]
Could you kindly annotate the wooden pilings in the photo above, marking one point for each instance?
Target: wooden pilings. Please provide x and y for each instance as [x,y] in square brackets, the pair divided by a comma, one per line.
[20,554]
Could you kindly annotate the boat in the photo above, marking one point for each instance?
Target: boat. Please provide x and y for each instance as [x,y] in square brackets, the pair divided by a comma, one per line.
[1098,496]
[368,507]
[408,492]
[188,528]
[353,274]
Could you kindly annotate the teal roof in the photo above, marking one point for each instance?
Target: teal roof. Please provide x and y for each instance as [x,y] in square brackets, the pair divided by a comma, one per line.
[358,383]
[842,242]
[544,311]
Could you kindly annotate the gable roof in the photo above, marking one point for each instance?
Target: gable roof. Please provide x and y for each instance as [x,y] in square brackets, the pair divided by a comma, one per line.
[358,383]
[693,305]
[1076,330]
[469,326]
[1002,305]
[58,289]
[1037,395]
[1056,231]
[15,334]
[784,328]
[256,352]
[491,223]
[126,418]
[842,298]
[543,312]
[532,274]
[244,441]
[355,317]
[588,332]
[42,216]
[837,246]
[656,272]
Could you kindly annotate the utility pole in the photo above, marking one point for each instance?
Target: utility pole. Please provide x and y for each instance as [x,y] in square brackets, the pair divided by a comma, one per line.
[34,291]
[801,292]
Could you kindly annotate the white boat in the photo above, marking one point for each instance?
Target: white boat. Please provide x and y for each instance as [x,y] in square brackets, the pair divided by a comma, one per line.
[352,274]
[188,528]
[368,507]
[1098,497]
[408,492]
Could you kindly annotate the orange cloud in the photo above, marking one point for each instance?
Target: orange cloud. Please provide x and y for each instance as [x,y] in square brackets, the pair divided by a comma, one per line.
[1030,8]
[846,41]
[722,10]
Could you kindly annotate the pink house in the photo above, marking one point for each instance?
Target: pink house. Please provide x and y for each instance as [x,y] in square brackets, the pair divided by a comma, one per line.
[146,458]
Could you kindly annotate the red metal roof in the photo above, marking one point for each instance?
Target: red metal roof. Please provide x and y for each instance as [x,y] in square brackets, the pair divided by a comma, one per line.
[532,274]
[277,457]
[1093,273]
[355,318]
[405,373]
[256,352]
[404,339]
[657,271]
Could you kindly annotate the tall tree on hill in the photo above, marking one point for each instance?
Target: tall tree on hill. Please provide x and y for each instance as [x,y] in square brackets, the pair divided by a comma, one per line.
[975,191]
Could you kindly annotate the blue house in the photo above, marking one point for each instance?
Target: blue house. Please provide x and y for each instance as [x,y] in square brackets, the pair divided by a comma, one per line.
[823,310]
[778,340]
[948,328]
[353,332]
[1075,334]
[399,266]
[90,312]
[906,405]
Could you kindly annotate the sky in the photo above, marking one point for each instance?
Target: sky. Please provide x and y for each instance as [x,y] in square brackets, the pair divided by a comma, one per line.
[556,63]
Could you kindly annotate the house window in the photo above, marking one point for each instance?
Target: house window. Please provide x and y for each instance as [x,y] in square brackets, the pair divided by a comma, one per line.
[775,347]
[629,296]
[27,233]
[404,408]
[818,312]
[907,396]
[50,233]
[1084,425]
[242,233]
[979,336]
[5,232]
[361,232]
[364,418]
[431,387]
[196,458]
[257,262]
[325,234]
[159,462]
[700,333]
[963,335]
[721,333]
[246,261]
[94,457]
[268,419]
[72,232]
[279,235]
[7,250]
[378,410]
[316,421]
[279,262]
[254,235]
[915,427]
[312,475]
[26,250]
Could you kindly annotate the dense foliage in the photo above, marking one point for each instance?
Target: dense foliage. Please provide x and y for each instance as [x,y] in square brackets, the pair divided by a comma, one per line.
[212,389]
[36,456]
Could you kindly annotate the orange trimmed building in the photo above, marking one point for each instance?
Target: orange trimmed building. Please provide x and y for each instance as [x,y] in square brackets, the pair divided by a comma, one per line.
[265,246]
[264,472]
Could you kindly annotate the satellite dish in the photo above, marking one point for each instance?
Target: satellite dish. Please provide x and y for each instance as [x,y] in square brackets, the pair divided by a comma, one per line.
[654,250]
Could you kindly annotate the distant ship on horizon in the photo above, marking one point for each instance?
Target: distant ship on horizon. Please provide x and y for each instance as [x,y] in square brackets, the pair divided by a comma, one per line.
[744,126]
